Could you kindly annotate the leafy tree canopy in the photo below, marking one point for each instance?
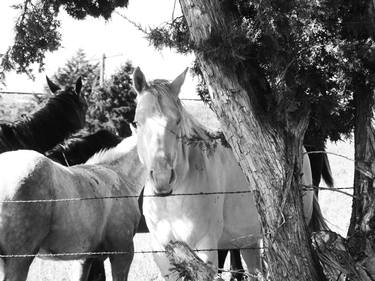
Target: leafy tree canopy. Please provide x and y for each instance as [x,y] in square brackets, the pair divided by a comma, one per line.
[37,29]
[313,54]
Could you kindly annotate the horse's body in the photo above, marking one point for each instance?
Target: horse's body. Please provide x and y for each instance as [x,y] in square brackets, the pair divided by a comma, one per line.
[77,150]
[63,114]
[180,157]
[73,226]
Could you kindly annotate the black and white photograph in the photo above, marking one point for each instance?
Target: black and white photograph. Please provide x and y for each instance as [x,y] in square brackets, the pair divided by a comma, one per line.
[195,140]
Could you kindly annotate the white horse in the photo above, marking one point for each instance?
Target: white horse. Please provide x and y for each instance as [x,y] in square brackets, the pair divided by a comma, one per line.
[27,228]
[181,157]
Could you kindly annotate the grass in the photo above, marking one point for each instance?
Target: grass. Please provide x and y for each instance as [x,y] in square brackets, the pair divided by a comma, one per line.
[336,208]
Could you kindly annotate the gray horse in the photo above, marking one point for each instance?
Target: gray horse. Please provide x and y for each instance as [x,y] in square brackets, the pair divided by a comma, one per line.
[109,225]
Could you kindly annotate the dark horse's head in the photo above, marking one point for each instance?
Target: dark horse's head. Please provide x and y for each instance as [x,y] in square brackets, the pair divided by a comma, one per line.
[71,95]
[62,115]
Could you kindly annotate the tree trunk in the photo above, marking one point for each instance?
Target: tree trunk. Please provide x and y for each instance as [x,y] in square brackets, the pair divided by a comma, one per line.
[364,137]
[361,234]
[269,153]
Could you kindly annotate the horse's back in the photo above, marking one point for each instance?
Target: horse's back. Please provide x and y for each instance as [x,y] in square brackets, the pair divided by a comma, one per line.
[22,172]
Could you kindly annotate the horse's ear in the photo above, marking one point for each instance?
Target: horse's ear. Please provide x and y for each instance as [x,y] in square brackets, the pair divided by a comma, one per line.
[177,83]
[139,80]
[52,86]
[78,85]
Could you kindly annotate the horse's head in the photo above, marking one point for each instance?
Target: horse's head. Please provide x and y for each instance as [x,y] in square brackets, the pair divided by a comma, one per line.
[158,117]
[75,92]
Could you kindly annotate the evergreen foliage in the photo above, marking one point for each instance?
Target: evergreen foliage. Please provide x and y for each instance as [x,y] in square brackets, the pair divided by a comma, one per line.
[314,54]
[311,53]
[111,106]
[37,29]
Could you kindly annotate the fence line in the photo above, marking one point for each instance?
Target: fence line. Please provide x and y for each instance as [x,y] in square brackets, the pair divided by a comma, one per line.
[305,187]
[22,93]
[44,94]
[327,152]
[105,253]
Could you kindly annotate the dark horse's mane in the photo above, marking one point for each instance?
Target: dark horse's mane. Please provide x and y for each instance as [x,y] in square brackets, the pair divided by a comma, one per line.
[63,115]
[79,148]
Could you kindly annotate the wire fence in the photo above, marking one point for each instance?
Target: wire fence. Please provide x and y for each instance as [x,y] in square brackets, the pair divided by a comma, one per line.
[109,253]
[23,93]
[67,254]
[305,188]
[45,94]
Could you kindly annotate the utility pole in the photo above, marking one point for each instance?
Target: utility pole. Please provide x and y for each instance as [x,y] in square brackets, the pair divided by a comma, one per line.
[102,70]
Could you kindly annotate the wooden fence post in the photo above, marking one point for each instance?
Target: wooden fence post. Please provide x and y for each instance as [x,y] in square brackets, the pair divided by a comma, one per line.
[187,264]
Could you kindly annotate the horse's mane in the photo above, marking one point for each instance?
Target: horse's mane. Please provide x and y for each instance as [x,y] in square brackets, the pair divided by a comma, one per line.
[192,131]
[115,153]
[62,115]
[79,148]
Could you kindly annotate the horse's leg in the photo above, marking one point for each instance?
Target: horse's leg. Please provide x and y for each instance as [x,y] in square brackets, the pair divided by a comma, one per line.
[16,269]
[162,261]
[252,258]
[210,256]
[236,265]
[86,267]
[23,234]
[120,264]
[93,270]
[222,254]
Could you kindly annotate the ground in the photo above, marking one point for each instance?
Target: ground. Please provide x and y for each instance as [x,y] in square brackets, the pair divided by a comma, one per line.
[336,209]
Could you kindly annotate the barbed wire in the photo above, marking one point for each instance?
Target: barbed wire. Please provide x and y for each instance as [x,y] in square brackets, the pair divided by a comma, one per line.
[108,253]
[23,93]
[328,152]
[45,94]
[304,187]
[122,197]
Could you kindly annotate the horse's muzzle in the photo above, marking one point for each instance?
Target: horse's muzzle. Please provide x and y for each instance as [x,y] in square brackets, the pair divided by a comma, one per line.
[163,181]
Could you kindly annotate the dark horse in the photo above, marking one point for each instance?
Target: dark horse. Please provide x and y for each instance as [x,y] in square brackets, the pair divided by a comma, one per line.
[77,150]
[63,115]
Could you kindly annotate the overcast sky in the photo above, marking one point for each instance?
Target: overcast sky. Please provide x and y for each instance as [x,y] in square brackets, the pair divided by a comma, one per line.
[115,37]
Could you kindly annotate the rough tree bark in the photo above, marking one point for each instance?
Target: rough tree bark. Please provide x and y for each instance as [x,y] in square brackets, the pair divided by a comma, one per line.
[268,152]
[354,258]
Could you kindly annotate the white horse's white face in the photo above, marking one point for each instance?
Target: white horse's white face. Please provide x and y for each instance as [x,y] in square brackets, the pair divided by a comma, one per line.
[158,120]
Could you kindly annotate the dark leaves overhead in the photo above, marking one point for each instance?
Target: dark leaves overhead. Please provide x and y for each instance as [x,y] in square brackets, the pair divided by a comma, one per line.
[37,29]
[96,8]
[36,33]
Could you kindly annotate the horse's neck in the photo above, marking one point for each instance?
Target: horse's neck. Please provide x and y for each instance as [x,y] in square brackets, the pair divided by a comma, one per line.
[215,163]
[130,170]
[47,134]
